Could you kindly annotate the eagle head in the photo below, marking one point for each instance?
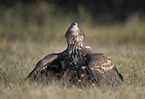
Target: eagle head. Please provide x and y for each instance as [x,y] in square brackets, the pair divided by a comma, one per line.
[74,33]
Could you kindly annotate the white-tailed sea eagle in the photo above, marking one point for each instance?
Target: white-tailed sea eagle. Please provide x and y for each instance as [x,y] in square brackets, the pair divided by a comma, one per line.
[78,64]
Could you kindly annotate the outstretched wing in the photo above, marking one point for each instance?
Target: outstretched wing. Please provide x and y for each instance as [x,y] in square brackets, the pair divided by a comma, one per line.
[103,70]
[49,62]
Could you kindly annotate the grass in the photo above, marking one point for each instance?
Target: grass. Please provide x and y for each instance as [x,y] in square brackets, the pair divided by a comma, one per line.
[23,43]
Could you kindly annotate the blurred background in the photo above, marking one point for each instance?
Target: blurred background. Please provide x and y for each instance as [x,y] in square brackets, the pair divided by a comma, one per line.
[45,20]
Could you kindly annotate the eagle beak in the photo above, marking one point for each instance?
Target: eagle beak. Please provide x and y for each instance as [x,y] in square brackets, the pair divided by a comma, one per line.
[74,23]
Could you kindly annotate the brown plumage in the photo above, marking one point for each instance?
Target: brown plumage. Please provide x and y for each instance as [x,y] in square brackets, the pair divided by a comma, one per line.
[78,64]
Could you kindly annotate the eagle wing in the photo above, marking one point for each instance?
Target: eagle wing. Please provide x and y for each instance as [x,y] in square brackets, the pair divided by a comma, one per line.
[102,69]
[50,63]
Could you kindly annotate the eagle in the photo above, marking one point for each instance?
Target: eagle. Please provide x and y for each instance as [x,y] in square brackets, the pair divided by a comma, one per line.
[77,64]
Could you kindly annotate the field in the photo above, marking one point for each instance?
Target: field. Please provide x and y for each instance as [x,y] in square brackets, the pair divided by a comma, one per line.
[24,41]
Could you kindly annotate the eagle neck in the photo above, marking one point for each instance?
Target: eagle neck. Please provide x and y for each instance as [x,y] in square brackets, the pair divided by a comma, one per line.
[76,54]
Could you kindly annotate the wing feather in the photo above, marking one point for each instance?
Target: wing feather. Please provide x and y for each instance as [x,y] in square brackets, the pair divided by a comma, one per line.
[102,69]
[43,64]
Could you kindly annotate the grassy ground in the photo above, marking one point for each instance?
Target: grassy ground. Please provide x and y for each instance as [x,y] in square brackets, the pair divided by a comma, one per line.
[22,44]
